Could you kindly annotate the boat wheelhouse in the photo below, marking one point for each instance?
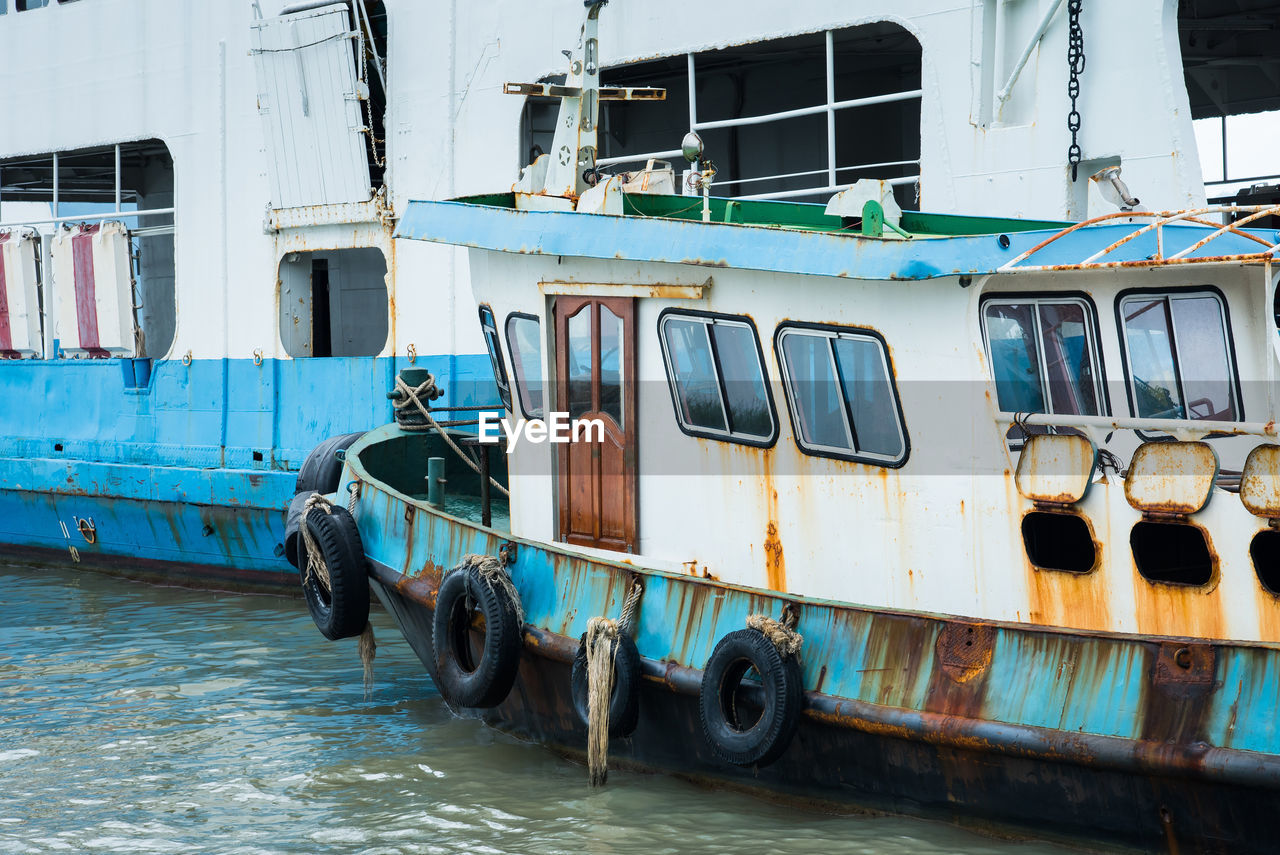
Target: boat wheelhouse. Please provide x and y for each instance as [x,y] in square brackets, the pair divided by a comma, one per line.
[965,517]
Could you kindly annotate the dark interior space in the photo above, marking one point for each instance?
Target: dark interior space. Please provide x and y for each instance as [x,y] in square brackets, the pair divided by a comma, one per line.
[1172,553]
[1059,542]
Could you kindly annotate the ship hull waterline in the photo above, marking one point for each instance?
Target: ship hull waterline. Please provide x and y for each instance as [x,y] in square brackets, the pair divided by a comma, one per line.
[1162,789]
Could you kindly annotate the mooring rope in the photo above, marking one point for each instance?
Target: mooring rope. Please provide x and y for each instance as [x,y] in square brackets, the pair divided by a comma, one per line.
[353,491]
[782,633]
[367,647]
[602,649]
[316,568]
[492,570]
[409,397]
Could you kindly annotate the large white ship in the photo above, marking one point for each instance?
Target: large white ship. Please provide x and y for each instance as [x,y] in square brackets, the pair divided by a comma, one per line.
[197,202]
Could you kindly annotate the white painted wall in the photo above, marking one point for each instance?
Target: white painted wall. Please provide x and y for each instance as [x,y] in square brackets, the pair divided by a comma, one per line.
[103,71]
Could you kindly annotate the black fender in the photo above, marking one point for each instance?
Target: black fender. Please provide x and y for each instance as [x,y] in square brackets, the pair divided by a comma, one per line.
[465,679]
[729,730]
[342,609]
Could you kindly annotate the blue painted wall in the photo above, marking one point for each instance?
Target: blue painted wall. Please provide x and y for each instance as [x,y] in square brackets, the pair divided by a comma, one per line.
[78,438]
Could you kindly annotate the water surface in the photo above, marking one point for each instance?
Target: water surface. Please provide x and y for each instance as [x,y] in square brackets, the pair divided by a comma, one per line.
[143,719]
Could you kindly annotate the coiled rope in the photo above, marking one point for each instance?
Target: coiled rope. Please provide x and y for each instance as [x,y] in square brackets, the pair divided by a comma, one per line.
[782,633]
[602,648]
[409,398]
[317,569]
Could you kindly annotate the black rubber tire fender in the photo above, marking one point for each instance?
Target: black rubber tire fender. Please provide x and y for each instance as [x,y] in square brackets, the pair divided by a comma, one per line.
[343,610]
[466,680]
[322,470]
[765,740]
[293,529]
[624,699]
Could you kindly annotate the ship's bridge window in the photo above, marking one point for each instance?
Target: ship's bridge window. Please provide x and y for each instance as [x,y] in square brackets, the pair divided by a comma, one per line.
[334,303]
[842,395]
[716,370]
[1044,355]
[1178,351]
[524,341]
[797,117]
[490,330]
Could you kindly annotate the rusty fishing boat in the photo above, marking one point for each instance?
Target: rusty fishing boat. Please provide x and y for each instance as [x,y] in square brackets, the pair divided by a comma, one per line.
[968,518]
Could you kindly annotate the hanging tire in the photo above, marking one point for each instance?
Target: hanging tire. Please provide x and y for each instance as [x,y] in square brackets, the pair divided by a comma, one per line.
[468,678]
[624,698]
[342,609]
[322,470]
[732,731]
[293,549]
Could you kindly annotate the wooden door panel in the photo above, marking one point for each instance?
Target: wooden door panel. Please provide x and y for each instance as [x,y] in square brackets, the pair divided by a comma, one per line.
[595,361]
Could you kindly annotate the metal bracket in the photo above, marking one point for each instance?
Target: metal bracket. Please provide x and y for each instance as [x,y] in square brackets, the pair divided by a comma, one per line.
[508,552]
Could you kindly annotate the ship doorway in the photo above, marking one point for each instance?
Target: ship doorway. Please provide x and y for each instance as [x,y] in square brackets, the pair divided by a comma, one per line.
[595,373]
[334,303]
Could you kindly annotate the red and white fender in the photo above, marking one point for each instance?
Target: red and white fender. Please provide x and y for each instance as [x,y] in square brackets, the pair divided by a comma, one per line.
[19,295]
[93,283]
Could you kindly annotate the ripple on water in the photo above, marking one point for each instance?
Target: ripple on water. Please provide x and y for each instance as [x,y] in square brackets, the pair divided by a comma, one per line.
[142,719]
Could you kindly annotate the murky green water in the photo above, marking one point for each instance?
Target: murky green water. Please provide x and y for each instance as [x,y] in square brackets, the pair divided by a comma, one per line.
[143,719]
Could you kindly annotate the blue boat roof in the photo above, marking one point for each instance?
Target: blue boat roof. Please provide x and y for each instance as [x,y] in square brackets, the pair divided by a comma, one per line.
[802,243]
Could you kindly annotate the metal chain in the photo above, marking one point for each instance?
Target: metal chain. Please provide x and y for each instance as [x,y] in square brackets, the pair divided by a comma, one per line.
[380,162]
[1075,64]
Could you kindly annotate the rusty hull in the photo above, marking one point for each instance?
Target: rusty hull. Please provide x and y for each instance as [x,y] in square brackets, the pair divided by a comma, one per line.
[1129,740]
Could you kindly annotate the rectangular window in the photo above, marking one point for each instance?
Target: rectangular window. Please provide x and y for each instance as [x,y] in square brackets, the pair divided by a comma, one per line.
[782,118]
[28,5]
[842,396]
[716,371]
[1044,355]
[1180,362]
[490,330]
[524,341]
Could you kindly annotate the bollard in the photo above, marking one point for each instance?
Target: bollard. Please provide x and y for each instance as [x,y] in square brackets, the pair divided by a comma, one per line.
[435,481]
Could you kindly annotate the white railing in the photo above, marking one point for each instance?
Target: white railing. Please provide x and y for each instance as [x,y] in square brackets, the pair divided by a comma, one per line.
[92,218]
[829,108]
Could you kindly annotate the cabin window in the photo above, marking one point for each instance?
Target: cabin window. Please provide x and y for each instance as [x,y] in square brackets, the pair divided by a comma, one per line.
[842,396]
[524,342]
[28,5]
[490,330]
[1044,355]
[715,368]
[781,118]
[1179,356]
[334,303]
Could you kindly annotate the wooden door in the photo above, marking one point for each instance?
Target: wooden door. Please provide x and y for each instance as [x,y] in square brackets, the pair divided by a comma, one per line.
[596,379]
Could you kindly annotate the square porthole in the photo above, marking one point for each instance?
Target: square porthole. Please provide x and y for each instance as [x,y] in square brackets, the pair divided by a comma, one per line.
[1172,553]
[1061,542]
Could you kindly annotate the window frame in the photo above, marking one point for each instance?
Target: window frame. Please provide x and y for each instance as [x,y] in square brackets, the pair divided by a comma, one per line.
[515,378]
[709,319]
[500,377]
[835,331]
[1101,390]
[1237,397]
